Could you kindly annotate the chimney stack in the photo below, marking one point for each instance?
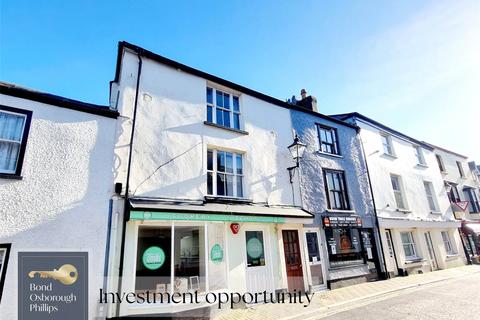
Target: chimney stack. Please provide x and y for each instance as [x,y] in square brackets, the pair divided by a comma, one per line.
[307,102]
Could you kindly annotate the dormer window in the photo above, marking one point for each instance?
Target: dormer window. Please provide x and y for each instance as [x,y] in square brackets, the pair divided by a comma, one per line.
[223,108]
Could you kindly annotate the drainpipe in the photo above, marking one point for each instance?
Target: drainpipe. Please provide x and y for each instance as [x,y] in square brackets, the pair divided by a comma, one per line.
[374,206]
[107,245]
[126,209]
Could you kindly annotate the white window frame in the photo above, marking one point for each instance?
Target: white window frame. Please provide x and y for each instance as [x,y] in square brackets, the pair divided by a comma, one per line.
[460,169]
[419,155]
[20,142]
[440,163]
[430,194]
[447,242]
[388,146]
[400,192]
[214,172]
[231,111]
[411,243]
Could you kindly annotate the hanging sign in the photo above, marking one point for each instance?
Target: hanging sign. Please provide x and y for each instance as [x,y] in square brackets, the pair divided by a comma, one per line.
[235,227]
[216,254]
[254,248]
[153,258]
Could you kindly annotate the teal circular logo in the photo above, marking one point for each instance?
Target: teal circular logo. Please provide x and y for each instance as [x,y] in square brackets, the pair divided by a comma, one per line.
[216,254]
[153,258]
[254,248]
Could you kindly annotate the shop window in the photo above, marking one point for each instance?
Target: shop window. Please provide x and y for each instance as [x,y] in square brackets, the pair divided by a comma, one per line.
[255,248]
[224,173]
[166,267]
[344,247]
[4,255]
[409,246]
[448,243]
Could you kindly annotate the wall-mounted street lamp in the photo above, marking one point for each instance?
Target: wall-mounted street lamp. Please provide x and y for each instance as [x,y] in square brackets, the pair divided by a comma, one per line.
[296,150]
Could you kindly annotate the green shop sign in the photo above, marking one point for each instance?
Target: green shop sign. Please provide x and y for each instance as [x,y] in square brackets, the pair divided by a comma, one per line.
[152,215]
[216,254]
[153,258]
[254,248]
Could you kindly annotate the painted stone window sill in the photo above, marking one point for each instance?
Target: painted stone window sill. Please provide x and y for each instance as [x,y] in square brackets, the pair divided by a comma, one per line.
[224,128]
[340,211]
[414,261]
[403,210]
[223,199]
[422,165]
[452,256]
[329,154]
[435,213]
[388,155]
[444,172]
[10,176]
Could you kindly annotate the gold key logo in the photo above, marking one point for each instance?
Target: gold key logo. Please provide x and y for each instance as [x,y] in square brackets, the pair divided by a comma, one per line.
[66,274]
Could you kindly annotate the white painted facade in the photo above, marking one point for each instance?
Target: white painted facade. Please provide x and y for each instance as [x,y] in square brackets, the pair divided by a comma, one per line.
[416,216]
[169,163]
[61,203]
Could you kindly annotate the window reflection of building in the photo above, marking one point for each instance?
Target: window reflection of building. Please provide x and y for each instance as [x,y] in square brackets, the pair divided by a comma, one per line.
[344,246]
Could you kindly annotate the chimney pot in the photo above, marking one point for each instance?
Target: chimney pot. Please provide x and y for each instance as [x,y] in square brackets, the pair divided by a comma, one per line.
[303,93]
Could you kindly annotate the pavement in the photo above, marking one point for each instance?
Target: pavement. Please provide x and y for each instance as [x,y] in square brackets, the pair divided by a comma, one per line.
[353,298]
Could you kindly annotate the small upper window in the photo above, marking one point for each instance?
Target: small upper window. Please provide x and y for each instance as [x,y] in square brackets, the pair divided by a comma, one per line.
[387,145]
[460,169]
[419,156]
[441,166]
[328,139]
[223,108]
[14,127]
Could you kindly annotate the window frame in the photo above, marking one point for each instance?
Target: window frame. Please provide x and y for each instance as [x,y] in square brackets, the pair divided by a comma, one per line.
[460,169]
[390,151]
[335,146]
[430,196]
[447,243]
[401,191]
[344,193]
[27,114]
[231,112]
[453,192]
[411,243]
[440,163]
[420,156]
[214,172]
[3,270]
[474,204]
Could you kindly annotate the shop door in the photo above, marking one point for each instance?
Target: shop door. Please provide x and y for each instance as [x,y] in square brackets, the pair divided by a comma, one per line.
[258,274]
[293,260]
[431,252]
[315,262]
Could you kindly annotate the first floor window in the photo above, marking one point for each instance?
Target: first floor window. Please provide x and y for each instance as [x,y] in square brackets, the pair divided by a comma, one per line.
[336,190]
[224,173]
[4,255]
[409,246]
[398,192]
[14,126]
[430,195]
[473,203]
[344,247]
[448,243]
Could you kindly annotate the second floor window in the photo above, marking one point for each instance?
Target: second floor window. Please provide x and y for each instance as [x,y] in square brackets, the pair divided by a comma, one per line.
[328,139]
[387,144]
[398,191]
[419,156]
[441,166]
[336,190]
[473,203]
[460,169]
[223,108]
[14,126]
[224,173]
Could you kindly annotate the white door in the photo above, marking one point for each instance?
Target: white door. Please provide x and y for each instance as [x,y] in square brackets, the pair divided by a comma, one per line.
[431,251]
[258,273]
[315,261]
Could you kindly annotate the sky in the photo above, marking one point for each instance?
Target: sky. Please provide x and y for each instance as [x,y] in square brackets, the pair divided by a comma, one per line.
[411,65]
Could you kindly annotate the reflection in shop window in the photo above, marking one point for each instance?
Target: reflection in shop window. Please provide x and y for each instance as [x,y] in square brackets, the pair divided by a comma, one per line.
[255,248]
[344,246]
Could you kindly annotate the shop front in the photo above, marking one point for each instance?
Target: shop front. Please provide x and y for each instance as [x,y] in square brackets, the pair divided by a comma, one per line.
[470,233]
[192,250]
[351,248]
